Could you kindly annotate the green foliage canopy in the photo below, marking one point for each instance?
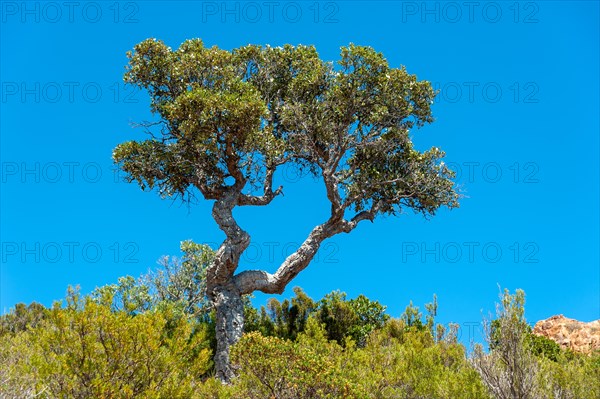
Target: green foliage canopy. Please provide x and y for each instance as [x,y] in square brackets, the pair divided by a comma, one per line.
[230,118]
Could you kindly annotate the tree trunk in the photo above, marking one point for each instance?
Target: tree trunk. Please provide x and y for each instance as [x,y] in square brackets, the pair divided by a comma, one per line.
[229,328]
[225,289]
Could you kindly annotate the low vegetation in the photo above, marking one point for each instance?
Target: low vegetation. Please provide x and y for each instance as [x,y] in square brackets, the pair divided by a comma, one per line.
[153,337]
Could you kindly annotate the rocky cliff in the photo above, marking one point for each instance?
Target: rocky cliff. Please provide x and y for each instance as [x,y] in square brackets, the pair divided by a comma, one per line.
[569,333]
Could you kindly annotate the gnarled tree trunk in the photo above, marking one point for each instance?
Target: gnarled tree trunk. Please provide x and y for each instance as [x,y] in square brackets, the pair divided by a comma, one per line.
[229,328]
[224,294]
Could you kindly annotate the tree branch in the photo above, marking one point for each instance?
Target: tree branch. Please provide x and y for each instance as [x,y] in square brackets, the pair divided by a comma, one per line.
[268,193]
[209,193]
[258,280]
[237,240]
[231,160]
[333,194]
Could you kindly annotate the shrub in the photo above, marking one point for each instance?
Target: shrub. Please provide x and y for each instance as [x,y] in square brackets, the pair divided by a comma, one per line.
[271,367]
[87,351]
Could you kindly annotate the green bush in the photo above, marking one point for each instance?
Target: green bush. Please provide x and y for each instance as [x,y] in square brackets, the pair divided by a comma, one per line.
[22,318]
[544,347]
[570,376]
[405,362]
[88,351]
[271,367]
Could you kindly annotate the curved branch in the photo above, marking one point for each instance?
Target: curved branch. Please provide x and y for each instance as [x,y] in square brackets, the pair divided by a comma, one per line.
[333,194]
[258,280]
[264,199]
[228,255]
[209,193]
[268,194]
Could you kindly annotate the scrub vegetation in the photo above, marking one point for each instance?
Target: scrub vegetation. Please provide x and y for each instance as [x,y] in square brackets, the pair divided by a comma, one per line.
[154,337]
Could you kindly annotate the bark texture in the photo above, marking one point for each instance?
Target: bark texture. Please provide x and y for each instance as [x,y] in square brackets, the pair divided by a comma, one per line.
[223,293]
[229,328]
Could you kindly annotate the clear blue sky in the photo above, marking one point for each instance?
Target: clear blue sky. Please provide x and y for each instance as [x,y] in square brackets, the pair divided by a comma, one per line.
[517,116]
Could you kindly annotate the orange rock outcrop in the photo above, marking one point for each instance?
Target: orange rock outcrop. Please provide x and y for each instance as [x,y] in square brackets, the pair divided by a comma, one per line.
[569,333]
